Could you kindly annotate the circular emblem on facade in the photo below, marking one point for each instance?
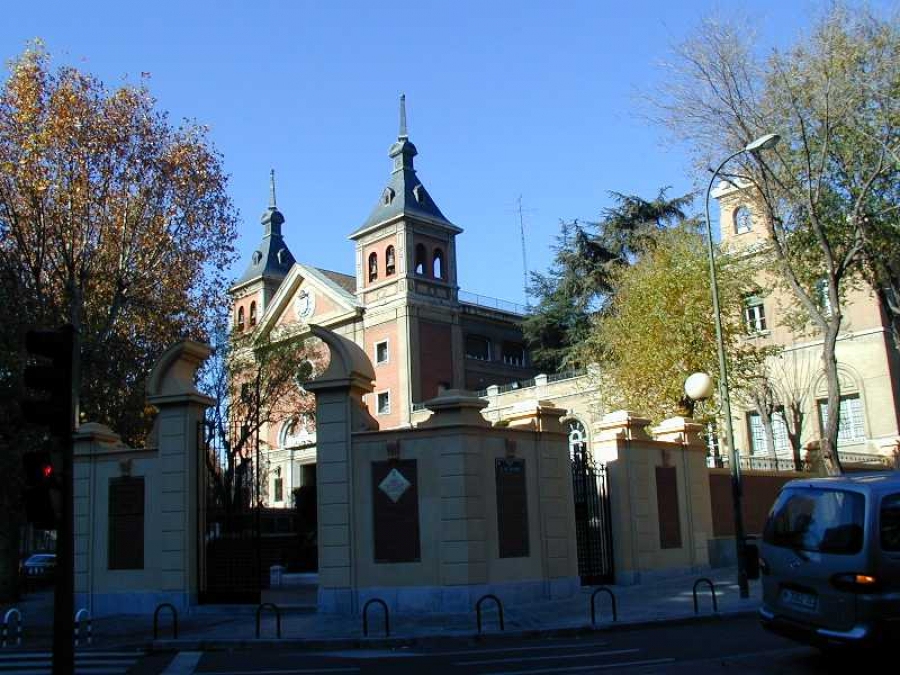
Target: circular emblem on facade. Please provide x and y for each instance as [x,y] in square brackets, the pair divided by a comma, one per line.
[305,303]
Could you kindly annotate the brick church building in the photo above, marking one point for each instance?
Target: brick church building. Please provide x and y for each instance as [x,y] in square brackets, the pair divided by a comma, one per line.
[401,305]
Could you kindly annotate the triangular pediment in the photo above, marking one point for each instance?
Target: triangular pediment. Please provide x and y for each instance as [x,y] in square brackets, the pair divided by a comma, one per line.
[307,295]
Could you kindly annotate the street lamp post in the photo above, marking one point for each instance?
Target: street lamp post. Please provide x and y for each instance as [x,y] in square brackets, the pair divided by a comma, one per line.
[762,143]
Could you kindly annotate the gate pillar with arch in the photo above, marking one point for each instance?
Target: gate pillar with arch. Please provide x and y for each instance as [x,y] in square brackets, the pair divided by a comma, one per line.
[339,412]
[659,485]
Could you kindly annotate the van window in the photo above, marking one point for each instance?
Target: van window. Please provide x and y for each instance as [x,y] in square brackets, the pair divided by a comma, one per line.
[890,523]
[811,519]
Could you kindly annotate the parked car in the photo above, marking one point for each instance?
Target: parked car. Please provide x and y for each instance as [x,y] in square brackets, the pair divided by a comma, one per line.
[40,567]
[830,561]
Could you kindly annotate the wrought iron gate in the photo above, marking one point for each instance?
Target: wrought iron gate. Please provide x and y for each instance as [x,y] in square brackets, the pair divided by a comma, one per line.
[593,525]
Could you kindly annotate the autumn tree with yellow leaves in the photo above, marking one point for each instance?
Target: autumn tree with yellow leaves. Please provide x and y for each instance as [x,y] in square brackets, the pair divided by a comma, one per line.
[112,219]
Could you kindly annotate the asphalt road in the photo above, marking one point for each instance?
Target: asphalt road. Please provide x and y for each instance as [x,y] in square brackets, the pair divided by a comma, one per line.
[736,645]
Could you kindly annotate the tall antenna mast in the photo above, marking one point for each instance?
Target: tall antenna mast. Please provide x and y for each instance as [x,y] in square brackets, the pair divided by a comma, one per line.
[524,255]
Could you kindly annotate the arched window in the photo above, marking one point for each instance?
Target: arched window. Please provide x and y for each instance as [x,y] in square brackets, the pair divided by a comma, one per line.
[577,440]
[240,319]
[437,264]
[373,266]
[420,260]
[389,263]
[252,313]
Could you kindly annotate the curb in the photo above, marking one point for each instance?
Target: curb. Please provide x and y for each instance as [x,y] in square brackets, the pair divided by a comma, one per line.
[433,640]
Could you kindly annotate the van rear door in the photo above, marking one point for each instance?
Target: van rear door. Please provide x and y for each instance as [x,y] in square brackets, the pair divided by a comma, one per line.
[812,535]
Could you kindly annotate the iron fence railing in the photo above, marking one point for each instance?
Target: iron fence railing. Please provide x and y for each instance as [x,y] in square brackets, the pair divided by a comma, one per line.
[492,303]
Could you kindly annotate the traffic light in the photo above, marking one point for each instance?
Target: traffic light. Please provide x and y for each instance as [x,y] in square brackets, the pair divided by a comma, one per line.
[50,376]
[40,485]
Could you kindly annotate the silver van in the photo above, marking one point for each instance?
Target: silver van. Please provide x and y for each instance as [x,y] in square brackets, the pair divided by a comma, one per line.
[830,560]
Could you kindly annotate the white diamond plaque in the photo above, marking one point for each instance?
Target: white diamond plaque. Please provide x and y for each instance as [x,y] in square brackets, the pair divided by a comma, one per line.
[394,485]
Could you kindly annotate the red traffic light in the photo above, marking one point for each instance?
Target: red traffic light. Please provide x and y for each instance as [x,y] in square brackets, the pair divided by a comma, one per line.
[47,470]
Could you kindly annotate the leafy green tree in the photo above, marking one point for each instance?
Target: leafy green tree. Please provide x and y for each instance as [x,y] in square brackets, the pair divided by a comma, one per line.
[578,283]
[658,327]
[829,191]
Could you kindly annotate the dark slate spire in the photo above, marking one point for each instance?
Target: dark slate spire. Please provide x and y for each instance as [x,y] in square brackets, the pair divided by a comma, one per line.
[271,259]
[272,219]
[404,193]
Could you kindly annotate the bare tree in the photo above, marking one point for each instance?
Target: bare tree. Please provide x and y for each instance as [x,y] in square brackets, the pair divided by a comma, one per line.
[832,97]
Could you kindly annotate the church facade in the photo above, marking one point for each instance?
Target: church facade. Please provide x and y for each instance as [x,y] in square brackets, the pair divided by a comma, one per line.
[401,306]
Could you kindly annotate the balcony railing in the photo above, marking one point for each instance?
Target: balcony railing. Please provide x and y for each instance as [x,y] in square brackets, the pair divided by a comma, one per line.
[492,303]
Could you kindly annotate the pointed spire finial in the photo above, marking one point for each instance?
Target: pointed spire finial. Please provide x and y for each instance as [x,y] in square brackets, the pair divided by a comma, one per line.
[272,189]
[403,134]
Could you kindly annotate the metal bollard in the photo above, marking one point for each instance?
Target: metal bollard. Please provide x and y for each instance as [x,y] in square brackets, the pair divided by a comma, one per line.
[712,589]
[6,619]
[269,605]
[387,618]
[489,596]
[612,597]
[84,614]
[174,619]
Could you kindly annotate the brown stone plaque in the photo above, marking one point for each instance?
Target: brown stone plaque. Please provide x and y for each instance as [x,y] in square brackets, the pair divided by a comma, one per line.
[667,507]
[512,508]
[126,523]
[395,508]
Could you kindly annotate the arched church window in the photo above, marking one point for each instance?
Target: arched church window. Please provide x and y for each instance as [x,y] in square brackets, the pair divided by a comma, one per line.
[373,266]
[389,263]
[252,313]
[256,257]
[240,319]
[420,260]
[437,264]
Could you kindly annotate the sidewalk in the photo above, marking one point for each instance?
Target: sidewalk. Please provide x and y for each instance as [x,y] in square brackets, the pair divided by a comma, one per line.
[216,627]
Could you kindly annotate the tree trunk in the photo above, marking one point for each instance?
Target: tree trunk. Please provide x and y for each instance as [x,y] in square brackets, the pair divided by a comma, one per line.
[829,448]
[793,421]
[769,432]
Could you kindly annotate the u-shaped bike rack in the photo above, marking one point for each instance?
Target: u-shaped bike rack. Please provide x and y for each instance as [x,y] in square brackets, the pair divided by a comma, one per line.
[489,596]
[612,597]
[387,618]
[269,605]
[83,615]
[712,589]
[6,617]
[174,611]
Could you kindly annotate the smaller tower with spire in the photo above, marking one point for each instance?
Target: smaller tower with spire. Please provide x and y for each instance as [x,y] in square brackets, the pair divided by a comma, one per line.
[269,264]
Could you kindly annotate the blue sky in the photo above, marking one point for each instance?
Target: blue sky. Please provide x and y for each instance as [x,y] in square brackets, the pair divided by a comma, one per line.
[538,99]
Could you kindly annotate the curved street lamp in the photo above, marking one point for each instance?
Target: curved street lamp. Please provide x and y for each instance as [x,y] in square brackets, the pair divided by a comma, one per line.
[762,143]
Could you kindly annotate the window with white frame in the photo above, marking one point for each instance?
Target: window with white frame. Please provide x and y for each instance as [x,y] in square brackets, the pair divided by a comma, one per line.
[754,315]
[383,405]
[822,296]
[478,347]
[758,435]
[381,352]
[850,427]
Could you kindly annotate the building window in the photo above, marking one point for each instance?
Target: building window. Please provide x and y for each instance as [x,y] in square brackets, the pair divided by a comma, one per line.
[743,221]
[577,439]
[373,266]
[252,314]
[437,264]
[758,435]
[240,319]
[389,261]
[850,427]
[381,352]
[823,299]
[420,260]
[478,347]
[384,403]
[754,315]
[278,487]
[513,354]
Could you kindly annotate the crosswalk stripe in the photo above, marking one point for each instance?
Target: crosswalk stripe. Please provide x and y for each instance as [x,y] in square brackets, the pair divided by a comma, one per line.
[86,663]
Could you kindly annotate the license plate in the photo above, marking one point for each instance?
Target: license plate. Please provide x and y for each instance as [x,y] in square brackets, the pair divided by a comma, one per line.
[803,601]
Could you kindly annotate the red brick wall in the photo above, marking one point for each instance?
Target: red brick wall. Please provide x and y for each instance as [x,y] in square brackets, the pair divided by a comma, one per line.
[760,490]
[435,357]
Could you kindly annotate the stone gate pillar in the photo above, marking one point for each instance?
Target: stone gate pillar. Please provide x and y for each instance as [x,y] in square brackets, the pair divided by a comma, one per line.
[339,412]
